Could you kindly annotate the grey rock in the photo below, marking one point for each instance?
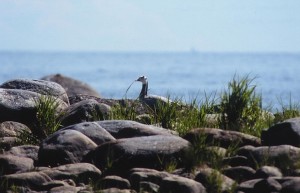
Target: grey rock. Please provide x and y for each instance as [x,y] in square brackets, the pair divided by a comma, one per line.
[78,172]
[114,182]
[27,180]
[8,142]
[239,173]
[84,111]
[177,184]
[148,152]
[148,187]
[72,86]
[206,175]
[93,131]
[284,157]
[39,86]
[12,129]
[139,175]
[268,185]
[64,147]
[222,137]
[268,171]
[248,186]
[29,151]
[284,133]
[10,164]
[64,189]
[126,129]
[236,161]
[116,190]
[291,186]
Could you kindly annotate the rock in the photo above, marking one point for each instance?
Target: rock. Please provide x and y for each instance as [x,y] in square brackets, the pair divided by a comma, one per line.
[126,129]
[64,147]
[268,171]
[268,185]
[116,190]
[84,111]
[140,175]
[222,137]
[64,189]
[72,86]
[10,164]
[42,87]
[213,180]
[12,129]
[114,182]
[239,173]
[248,186]
[31,180]
[27,151]
[8,142]
[93,131]
[236,161]
[291,186]
[79,172]
[148,152]
[284,133]
[21,106]
[176,184]
[148,187]
[285,157]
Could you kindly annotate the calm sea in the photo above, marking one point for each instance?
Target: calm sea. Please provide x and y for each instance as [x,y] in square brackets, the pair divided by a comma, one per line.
[187,75]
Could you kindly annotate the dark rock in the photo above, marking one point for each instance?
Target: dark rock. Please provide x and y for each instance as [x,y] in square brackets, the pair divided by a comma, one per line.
[177,184]
[79,172]
[268,171]
[268,185]
[39,86]
[285,157]
[222,137]
[210,178]
[139,175]
[239,173]
[93,131]
[29,151]
[148,152]
[248,186]
[291,186]
[236,161]
[64,189]
[284,133]
[10,164]
[114,182]
[56,183]
[31,180]
[126,129]
[64,147]
[84,111]
[72,86]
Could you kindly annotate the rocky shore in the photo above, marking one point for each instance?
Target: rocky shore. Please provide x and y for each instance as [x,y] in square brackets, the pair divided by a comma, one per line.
[87,155]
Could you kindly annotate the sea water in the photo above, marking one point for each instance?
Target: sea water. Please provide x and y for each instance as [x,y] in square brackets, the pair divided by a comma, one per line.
[185,75]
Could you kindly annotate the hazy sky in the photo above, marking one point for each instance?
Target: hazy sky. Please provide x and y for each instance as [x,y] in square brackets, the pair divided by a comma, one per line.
[150,25]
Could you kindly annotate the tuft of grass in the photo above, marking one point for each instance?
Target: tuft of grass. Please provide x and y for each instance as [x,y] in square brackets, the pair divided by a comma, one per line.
[287,111]
[241,106]
[124,111]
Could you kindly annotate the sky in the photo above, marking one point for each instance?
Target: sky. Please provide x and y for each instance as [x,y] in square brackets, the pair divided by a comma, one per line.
[150,25]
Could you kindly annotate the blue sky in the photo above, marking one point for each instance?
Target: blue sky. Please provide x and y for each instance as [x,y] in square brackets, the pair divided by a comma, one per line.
[150,25]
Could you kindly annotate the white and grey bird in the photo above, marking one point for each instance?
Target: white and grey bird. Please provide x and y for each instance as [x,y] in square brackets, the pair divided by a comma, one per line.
[153,101]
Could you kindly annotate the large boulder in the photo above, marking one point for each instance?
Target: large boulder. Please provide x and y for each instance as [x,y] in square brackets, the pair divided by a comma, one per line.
[27,151]
[93,131]
[83,111]
[177,184]
[72,86]
[64,147]
[221,137]
[149,152]
[126,129]
[39,86]
[284,133]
